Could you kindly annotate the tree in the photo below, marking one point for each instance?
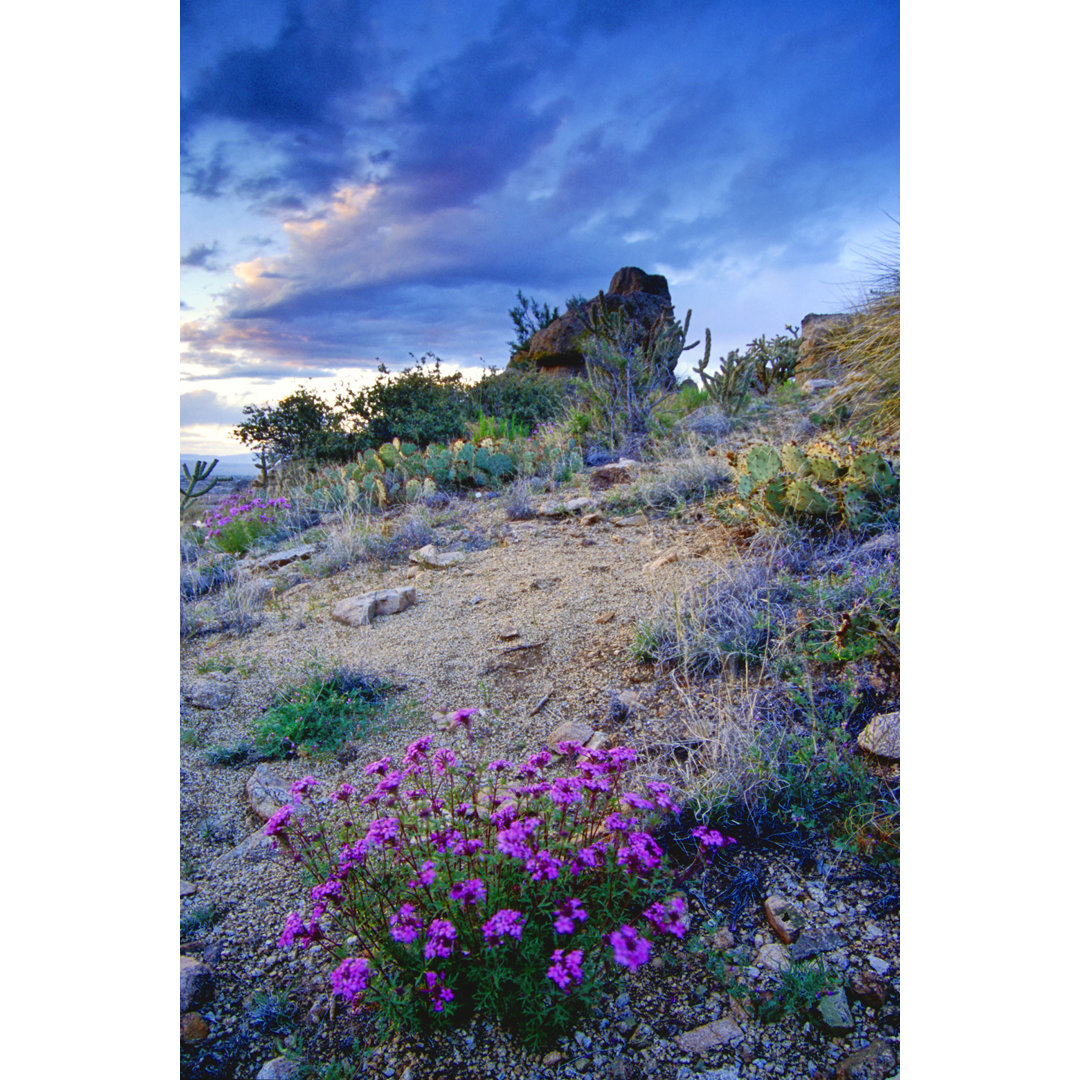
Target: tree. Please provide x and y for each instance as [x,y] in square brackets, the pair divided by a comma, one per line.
[301,426]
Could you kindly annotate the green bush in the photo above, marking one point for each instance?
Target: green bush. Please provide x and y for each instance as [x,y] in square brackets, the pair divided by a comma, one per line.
[322,714]
[416,405]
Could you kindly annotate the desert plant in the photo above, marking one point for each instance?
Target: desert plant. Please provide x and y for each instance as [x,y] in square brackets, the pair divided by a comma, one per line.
[801,987]
[497,890]
[825,488]
[199,476]
[630,371]
[237,524]
[322,713]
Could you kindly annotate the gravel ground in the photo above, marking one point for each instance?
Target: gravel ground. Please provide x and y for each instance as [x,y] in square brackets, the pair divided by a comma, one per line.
[574,592]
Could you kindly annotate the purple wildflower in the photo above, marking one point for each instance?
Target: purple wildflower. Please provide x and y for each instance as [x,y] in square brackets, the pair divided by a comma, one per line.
[565,969]
[641,854]
[426,876]
[416,752]
[468,892]
[378,768]
[300,788]
[504,923]
[637,802]
[668,917]
[443,760]
[565,790]
[462,718]
[661,792]
[440,937]
[350,979]
[543,865]
[278,820]
[570,911]
[630,950]
[343,793]
[436,991]
[405,925]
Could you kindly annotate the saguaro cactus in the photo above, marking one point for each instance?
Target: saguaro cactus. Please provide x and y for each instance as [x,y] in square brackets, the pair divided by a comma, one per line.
[202,472]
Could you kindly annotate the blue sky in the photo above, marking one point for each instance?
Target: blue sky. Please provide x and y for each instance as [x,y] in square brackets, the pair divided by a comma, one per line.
[362,181]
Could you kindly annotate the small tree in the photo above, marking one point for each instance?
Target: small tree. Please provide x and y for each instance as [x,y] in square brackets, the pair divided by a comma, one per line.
[300,427]
[630,371]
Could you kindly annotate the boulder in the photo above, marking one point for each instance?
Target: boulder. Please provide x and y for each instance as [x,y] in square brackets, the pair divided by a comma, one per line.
[430,556]
[874,1062]
[698,1040]
[196,984]
[817,359]
[214,690]
[557,348]
[882,736]
[362,610]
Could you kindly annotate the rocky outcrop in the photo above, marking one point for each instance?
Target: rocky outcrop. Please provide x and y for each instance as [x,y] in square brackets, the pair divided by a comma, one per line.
[817,358]
[557,348]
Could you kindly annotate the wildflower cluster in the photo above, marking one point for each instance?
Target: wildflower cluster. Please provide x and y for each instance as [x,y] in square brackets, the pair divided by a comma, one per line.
[238,522]
[499,888]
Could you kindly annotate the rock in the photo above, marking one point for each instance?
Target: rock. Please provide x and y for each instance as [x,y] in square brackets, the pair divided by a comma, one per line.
[814,385]
[592,519]
[277,559]
[267,790]
[572,506]
[784,918]
[556,348]
[606,476]
[642,1036]
[773,957]
[812,942]
[630,522]
[871,989]
[818,358]
[882,736]
[188,889]
[280,1069]
[606,617]
[553,1057]
[430,557]
[196,983]
[833,1012]
[193,1028]
[598,741]
[723,1032]
[723,940]
[880,966]
[508,634]
[257,846]
[361,610]
[662,560]
[570,731]
[874,1062]
[214,690]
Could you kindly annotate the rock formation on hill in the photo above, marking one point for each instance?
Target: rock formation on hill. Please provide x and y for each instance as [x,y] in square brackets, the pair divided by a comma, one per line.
[817,358]
[557,348]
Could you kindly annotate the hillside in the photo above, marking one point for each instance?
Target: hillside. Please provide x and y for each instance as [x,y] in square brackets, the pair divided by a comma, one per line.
[739,637]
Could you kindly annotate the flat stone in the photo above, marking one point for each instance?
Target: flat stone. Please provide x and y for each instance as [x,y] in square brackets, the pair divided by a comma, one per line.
[214,690]
[553,1057]
[874,1062]
[362,610]
[882,736]
[832,1009]
[277,559]
[723,1032]
[570,731]
[593,518]
[598,741]
[605,618]
[187,888]
[196,983]
[508,634]
[662,560]
[784,917]
[279,1069]
[773,957]
[871,989]
[813,942]
[193,1028]
[267,791]
[813,385]
[257,846]
[880,966]
[430,556]
[582,503]
[630,522]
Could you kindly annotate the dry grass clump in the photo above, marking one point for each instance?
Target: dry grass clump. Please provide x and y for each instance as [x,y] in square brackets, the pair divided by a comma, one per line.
[691,477]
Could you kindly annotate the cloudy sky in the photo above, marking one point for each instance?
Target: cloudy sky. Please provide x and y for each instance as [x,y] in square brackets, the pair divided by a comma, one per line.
[365,180]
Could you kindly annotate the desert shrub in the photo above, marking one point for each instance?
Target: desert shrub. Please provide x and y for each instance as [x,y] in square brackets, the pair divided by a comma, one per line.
[399,540]
[206,574]
[502,890]
[526,397]
[302,426]
[516,501]
[801,987]
[676,482]
[322,713]
[416,405]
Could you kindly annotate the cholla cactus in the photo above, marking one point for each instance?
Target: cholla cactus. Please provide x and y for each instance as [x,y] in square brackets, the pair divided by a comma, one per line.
[201,473]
